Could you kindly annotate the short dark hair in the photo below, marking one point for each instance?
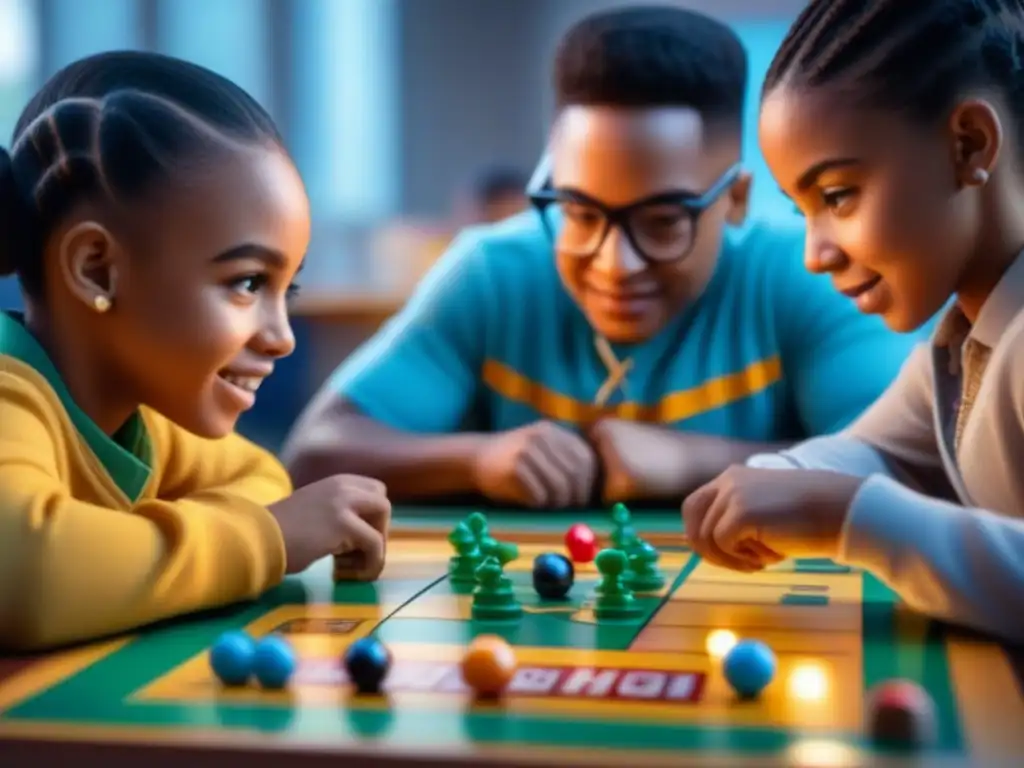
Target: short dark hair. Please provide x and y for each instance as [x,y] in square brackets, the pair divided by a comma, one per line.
[915,57]
[653,56]
[108,127]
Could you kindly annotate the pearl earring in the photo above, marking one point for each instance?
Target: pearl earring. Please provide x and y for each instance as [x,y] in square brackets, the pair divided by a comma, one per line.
[979,176]
[101,303]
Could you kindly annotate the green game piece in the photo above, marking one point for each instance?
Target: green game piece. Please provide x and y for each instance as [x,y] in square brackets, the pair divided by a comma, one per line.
[624,535]
[620,515]
[614,599]
[644,574]
[477,523]
[462,566]
[505,552]
[489,547]
[625,538]
[494,598]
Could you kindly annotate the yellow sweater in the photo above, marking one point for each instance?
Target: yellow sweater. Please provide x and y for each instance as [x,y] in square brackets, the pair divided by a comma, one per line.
[81,558]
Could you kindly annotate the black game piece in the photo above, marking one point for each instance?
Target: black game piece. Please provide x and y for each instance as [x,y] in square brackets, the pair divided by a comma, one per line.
[553,575]
[367,662]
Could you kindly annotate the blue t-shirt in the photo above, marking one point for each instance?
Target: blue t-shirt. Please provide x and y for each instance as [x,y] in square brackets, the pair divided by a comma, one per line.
[491,341]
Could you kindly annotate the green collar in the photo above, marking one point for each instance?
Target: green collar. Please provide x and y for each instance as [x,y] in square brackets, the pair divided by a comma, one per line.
[127,455]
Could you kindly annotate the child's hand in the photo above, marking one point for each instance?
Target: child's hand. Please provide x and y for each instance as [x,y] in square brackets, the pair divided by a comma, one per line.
[337,515]
[746,518]
[539,465]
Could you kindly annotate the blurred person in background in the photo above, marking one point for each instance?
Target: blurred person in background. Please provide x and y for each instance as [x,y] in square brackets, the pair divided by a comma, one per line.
[403,251]
[495,193]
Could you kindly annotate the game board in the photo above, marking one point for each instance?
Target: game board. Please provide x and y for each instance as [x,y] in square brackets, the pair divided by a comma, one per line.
[642,692]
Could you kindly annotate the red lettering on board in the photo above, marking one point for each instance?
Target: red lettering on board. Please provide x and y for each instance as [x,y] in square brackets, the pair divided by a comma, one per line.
[529,681]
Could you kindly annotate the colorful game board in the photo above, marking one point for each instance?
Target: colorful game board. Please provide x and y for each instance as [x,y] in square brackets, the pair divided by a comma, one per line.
[639,692]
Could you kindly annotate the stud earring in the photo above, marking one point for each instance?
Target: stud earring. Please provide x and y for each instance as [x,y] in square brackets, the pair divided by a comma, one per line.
[979,176]
[101,303]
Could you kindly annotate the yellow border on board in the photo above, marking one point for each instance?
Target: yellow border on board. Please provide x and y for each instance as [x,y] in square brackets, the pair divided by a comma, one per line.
[837,708]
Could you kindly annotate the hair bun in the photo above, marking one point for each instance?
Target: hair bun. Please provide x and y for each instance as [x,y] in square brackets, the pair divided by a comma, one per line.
[9,207]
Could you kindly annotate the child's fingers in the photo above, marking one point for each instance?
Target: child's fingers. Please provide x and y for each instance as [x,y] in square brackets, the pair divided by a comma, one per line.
[371,506]
[365,552]
[709,545]
[755,550]
[367,484]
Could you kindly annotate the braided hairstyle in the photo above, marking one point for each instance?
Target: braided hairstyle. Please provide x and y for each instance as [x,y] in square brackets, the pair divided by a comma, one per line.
[915,56]
[648,57]
[109,128]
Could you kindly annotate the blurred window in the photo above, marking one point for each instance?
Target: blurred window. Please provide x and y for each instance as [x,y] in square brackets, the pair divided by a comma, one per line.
[228,36]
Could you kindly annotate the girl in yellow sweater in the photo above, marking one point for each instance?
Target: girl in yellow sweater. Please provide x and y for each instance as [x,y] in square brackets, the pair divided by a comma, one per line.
[156,225]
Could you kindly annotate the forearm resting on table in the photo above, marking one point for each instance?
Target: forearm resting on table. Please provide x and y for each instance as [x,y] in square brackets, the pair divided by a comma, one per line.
[955,563]
[409,464]
[835,452]
[849,455]
[73,571]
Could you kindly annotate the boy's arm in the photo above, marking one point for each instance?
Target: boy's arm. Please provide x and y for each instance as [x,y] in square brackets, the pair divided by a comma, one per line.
[72,570]
[835,360]
[395,409]
[335,437]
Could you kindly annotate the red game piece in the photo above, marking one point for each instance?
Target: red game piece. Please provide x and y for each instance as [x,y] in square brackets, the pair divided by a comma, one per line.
[901,713]
[581,542]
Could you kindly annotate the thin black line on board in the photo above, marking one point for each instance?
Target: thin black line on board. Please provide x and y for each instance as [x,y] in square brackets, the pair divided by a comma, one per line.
[680,579]
[408,602]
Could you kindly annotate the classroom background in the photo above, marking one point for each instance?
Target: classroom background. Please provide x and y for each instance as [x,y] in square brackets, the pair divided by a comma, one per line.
[402,115]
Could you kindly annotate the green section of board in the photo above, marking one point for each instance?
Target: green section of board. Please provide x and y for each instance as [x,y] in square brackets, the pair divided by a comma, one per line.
[914,650]
[102,694]
[544,624]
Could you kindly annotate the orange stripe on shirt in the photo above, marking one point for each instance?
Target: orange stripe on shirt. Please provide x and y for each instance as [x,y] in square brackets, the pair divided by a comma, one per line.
[676,406]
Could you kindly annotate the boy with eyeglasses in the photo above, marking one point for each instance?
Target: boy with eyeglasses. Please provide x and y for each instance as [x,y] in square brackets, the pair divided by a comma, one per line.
[625,339]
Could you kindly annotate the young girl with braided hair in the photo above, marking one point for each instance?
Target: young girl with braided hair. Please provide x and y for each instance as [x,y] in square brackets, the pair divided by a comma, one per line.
[898,130]
[156,225]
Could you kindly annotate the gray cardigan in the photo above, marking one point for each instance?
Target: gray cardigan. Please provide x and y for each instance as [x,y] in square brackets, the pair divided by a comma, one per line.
[943,527]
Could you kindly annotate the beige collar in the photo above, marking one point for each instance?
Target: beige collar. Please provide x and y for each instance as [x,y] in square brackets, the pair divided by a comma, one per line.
[617,371]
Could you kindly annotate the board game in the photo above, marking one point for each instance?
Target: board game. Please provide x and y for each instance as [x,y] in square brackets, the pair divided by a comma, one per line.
[641,691]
